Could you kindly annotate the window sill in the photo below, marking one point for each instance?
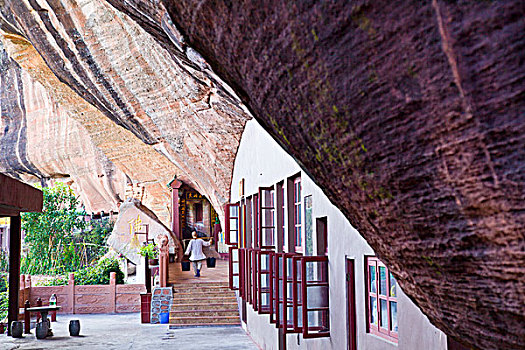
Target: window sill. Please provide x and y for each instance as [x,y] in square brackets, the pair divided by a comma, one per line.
[384,338]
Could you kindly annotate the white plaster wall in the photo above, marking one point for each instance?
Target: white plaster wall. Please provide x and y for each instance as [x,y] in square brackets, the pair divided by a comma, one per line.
[262,162]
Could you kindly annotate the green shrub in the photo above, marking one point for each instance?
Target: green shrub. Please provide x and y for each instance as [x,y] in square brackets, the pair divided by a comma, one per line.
[96,274]
[4,296]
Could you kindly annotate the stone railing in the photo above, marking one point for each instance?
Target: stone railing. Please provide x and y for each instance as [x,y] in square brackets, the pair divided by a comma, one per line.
[85,299]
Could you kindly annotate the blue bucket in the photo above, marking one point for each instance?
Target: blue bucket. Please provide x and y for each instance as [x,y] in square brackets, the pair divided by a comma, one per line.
[164,317]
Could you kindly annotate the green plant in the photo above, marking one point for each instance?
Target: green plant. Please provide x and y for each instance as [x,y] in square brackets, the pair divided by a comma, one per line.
[59,240]
[149,251]
[4,260]
[4,296]
[95,274]
[49,239]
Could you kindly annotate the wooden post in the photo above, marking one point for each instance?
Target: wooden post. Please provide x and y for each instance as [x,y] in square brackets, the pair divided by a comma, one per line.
[147,275]
[27,318]
[38,315]
[113,291]
[14,270]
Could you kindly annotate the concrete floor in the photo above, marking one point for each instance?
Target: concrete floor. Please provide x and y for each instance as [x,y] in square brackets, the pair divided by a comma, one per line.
[124,331]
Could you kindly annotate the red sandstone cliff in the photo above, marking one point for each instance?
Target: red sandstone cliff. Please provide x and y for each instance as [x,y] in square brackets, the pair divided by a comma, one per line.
[410,115]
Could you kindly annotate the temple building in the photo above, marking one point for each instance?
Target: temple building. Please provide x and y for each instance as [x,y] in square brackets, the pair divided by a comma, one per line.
[304,277]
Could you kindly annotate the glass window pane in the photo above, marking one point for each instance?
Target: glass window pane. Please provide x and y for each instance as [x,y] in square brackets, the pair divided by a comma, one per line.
[384,313]
[265,299]
[372,270]
[393,311]
[265,262]
[373,308]
[265,281]
[234,211]
[233,224]
[393,286]
[382,280]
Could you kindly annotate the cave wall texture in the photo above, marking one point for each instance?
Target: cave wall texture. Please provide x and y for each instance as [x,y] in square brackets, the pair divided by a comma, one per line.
[409,114]
[151,114]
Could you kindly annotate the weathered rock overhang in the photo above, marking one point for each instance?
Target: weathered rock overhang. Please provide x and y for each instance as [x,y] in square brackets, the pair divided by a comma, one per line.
[410,115]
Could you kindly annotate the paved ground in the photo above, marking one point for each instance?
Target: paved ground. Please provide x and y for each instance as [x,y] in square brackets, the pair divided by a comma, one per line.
[124,331]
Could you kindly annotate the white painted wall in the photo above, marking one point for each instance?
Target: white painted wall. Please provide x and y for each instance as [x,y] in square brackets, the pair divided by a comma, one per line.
[262,162]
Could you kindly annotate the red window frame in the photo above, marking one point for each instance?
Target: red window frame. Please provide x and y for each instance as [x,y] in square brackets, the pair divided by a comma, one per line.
[389,297]
[315,331]
[255,221]
[248,275]
[234,252]
[229,217]
[255,273]
[263,209]
[287,323]
[297,217]
[297,293]
[280,214]
[242,273]
[274,291]
[280,287]
[262,273]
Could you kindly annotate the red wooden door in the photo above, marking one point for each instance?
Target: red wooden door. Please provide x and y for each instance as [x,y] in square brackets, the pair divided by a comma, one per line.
[350,299]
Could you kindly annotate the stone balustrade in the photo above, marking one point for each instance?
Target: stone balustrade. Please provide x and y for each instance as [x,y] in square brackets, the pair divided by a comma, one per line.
[85,299]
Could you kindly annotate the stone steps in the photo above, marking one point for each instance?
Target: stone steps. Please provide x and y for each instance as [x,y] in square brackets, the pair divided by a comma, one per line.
[199,294]
[203,304]
[216,306]
[203,289]
[189,320]
[204,313]
[199,285]
[192,299]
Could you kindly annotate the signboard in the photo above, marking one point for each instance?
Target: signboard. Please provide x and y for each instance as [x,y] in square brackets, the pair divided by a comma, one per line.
[308,225]
[194,195]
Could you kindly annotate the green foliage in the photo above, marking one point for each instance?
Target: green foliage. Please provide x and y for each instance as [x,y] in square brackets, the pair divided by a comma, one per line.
[95,274]
[59,240]
[149,251]
[49,235]
[4,261]
[4,295]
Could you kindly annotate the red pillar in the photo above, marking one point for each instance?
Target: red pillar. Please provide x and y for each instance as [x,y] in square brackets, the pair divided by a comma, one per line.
[175,225]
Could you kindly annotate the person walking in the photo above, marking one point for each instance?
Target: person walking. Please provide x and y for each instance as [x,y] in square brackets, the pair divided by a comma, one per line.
[197,256]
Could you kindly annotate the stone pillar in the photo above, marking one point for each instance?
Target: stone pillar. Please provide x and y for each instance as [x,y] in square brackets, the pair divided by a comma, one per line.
[113,291]
[71,292]
[163,261]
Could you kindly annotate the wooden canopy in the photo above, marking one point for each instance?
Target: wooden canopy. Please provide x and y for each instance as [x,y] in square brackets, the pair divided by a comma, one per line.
[16,197]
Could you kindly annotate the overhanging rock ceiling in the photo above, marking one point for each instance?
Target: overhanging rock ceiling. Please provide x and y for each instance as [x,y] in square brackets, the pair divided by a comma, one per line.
[410,115]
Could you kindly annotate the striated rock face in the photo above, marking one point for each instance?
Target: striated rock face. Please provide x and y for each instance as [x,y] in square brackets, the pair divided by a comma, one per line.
[39,141]
[411,116]
[153,117]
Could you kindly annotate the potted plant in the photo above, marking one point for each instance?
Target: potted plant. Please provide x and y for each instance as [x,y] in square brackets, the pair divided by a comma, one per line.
[151,253]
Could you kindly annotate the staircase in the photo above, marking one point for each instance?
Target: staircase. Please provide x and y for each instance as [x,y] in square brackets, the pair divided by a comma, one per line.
[203,304]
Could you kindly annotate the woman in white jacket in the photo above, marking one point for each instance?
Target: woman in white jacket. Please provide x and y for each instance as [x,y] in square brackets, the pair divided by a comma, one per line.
[197,256]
